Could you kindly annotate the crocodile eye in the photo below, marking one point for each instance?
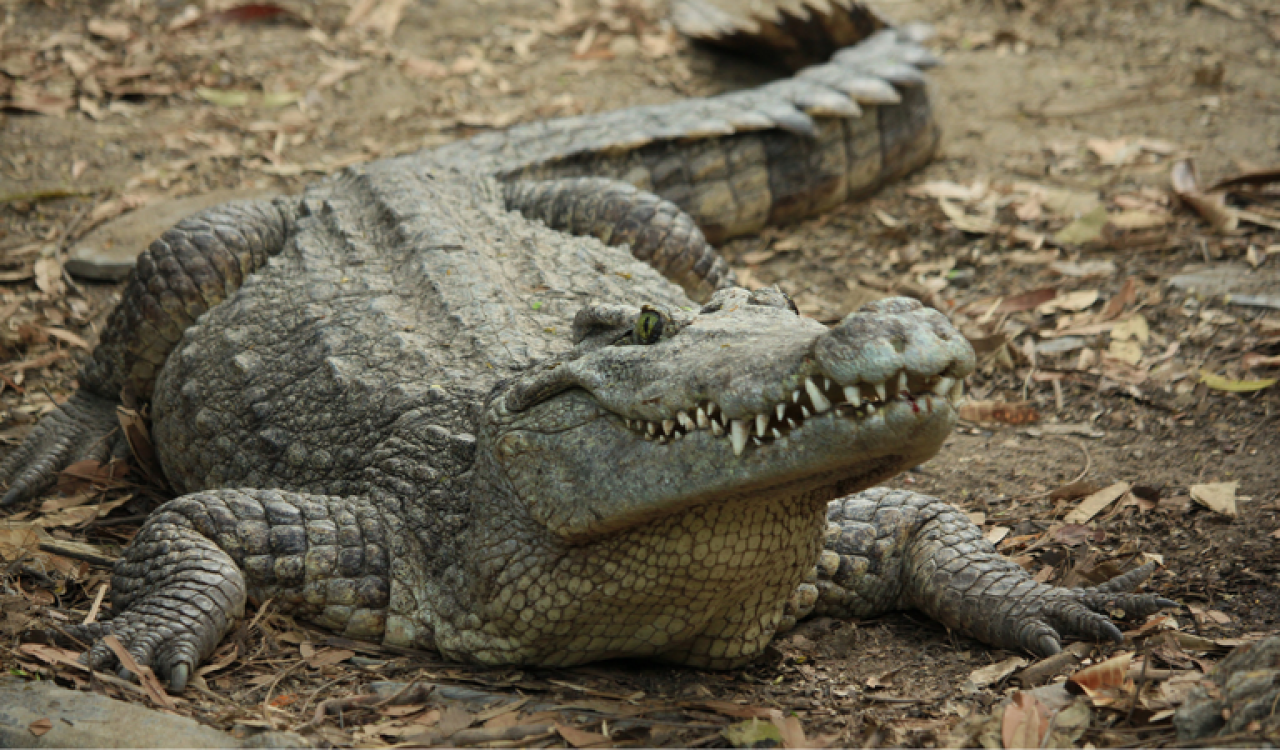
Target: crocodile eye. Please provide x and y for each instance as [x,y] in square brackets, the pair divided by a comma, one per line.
[648,327]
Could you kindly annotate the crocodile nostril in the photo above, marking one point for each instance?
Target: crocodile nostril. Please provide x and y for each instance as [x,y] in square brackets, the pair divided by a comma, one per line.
[899,344]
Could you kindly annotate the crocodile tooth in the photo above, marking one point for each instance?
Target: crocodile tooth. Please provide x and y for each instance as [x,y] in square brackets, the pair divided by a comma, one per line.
[880,391]
[668,425]
[852,396]
[762,423]
[703,422]
[943,386]
[957,393]
[652,428]
[826,384]
[782,412]
[756,440]
[776,433]
[819,401]
[902,382]
[629,423]
[717,429]
[738,436]
[684,420]
[805,411]
[871,409]
[792,423]
[711,408]
[795,396]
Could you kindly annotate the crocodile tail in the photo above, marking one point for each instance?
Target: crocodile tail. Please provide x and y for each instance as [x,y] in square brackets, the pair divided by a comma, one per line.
[747,159]
[795,34]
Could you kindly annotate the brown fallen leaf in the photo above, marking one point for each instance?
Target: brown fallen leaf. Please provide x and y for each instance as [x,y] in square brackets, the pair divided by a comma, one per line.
[582,738]
[1027,300]
[40,727]
[1212,207]
[1107,683]
[155,691]
[115,31]
[1095,503]
[1006,412]
[1026,721]
[1219,497]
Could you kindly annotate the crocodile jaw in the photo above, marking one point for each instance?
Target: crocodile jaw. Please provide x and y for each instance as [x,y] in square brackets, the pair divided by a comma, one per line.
[743,402]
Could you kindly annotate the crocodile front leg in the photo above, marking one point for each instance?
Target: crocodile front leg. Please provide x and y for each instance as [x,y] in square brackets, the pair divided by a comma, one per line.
[187,575]
[893,549]
[192,267]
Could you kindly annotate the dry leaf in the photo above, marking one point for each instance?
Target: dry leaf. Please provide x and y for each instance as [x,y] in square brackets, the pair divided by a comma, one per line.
[40,727]
[993,673]
[1095,503]
[1134,328]
[116,31]
[1027,300]
[1083,270]
[1113,153]
[1219,497]
[967,222]
[1129,352]
[1211,206]
[328,657]
[1071,302]
[1026,721]
[49,276]
[949,190]
[1006,412]
[1106,683]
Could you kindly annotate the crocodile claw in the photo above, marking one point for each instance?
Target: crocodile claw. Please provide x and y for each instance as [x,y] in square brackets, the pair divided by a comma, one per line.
[80,429]
[170,651]
[1085,612]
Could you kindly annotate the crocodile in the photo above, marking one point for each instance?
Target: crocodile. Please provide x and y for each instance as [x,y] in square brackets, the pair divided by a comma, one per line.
[502,400]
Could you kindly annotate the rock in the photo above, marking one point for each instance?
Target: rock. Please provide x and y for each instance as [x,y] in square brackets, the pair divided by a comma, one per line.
[1242,698]
[91,720]
[108,252]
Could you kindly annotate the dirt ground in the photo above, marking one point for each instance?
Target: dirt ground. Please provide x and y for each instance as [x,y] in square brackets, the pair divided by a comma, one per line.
[1046,227]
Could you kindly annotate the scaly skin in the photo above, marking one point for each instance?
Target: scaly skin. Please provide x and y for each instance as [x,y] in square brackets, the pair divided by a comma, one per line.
[424,418]
[1240,698]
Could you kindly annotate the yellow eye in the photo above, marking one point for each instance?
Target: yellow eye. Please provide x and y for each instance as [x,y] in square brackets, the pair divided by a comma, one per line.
[648,327]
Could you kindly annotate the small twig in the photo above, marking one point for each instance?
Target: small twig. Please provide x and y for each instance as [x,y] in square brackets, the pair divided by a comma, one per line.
[97,603]
[483,735]
[414,692]
[75,554]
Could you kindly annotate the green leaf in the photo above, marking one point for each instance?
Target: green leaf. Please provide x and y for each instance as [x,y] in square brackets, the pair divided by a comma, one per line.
[1219,383]
[223,97]
[1086,229]
[277,99]
[753,733]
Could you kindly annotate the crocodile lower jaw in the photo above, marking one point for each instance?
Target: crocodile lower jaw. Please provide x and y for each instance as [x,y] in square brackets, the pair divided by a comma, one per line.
[818,396]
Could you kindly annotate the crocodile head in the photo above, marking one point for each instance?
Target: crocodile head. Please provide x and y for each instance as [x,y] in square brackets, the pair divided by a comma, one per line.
[671,447]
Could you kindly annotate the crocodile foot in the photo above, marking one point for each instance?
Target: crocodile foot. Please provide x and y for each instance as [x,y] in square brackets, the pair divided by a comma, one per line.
[84,428]
[891,549]
[1038,620]
[177,595]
